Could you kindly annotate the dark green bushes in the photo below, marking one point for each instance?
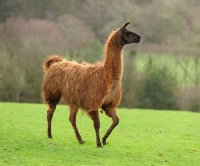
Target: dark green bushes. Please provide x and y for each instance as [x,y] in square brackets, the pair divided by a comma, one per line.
[157,89]
[154,88]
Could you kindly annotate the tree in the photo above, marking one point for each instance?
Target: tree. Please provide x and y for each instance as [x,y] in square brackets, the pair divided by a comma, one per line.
[158,90]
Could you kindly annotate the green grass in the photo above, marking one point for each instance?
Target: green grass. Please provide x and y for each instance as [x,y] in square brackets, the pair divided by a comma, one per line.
[143,137]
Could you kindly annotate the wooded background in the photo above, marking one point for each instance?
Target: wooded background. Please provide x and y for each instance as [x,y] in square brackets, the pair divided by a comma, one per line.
[76,29]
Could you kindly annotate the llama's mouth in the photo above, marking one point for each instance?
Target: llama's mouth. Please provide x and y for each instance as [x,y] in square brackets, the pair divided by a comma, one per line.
[138,39]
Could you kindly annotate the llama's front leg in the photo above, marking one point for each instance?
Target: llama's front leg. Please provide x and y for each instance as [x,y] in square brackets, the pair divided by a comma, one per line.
[72,119]
[50,112]
[95,117]
[115,118]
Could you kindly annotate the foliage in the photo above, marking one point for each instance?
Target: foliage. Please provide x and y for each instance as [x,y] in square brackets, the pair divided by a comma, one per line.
[24,52]
[76,29]
[158,89]
[141,138]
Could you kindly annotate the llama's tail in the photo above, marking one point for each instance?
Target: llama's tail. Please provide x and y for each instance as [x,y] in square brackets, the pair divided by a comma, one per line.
[51,60]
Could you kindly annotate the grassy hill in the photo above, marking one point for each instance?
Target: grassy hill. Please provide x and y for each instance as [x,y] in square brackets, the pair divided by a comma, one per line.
[143,137]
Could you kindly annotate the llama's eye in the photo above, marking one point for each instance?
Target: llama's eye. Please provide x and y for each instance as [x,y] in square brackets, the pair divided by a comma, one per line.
[127,34]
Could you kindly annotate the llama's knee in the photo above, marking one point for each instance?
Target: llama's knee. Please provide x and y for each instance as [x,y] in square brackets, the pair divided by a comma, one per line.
[72,118]
[113,114]
[50,111]
[95,117]
[116,120]
[73,112]
[49,115]
[97,125]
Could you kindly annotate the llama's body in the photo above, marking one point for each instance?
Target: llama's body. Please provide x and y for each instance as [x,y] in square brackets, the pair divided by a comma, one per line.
[87,86]
[78,84]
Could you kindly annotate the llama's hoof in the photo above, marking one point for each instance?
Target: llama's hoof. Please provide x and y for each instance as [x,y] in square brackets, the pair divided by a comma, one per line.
[104,141]
[81,142]
[99,145]
[50,136]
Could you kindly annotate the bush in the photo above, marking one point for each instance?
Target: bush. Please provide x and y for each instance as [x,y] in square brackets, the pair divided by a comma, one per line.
[158,88]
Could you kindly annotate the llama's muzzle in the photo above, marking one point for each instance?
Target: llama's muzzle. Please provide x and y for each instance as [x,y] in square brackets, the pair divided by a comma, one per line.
[137,38]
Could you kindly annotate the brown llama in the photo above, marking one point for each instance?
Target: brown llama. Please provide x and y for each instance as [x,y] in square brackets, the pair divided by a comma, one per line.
[88,86]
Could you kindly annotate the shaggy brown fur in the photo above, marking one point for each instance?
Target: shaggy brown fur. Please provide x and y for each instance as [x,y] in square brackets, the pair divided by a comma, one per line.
[88,86]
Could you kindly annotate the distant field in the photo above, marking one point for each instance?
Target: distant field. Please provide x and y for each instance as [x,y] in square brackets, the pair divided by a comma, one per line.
[143,138]
[172,63]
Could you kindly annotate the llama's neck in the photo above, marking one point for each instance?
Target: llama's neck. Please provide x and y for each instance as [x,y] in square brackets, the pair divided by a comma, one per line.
[113,57]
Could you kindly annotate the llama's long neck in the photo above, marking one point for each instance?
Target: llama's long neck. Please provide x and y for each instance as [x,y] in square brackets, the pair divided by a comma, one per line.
[114,60]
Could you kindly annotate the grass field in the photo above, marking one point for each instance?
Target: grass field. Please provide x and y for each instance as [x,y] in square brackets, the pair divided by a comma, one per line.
[143,138]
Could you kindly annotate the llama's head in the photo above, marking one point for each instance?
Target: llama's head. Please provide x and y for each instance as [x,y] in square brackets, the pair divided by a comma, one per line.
[126,36]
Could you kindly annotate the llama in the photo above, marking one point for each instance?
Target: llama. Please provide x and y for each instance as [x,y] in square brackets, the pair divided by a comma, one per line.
[88,86]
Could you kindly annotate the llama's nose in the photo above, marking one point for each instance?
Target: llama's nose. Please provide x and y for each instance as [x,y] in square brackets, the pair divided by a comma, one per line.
[138,38]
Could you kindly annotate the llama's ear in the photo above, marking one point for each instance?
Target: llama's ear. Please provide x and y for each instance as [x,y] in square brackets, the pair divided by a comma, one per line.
[125,25]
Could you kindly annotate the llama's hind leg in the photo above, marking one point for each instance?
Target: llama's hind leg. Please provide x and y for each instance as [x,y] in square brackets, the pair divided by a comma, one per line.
[115,118]
[72,119]
[51,98]
[50,112]
[95,117]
